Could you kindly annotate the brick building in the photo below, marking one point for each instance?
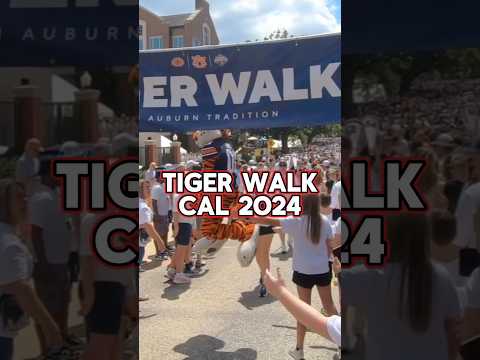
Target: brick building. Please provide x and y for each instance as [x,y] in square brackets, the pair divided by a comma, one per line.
[174,31]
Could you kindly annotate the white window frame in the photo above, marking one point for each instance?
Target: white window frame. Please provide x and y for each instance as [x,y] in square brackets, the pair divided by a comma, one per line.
[206,30]
[176,37]
[153,38]
[144,36]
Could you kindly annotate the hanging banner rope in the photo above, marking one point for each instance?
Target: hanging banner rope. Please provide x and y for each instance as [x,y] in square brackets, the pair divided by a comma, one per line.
[294,82]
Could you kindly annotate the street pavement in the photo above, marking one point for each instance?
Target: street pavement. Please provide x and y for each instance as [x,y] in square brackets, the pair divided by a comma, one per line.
[220,315]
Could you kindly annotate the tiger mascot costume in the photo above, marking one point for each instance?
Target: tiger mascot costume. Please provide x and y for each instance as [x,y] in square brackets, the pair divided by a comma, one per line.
[218,154]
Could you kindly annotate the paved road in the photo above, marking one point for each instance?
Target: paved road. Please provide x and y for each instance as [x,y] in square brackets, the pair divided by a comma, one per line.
[220,316]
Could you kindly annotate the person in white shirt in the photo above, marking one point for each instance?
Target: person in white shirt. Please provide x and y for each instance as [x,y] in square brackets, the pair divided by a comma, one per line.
[182,231]
[145,220]
[28,164]
[328,327]
[335,196]
[161,205]
[312,234]
[468,216]
[51,240]
[412,294]
[16,267]
[150,174]
[108,293]
[471,325]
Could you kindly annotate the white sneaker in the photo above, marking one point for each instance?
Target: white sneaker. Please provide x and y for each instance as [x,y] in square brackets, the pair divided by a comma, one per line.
[296,354]
[170,273]
[181,279]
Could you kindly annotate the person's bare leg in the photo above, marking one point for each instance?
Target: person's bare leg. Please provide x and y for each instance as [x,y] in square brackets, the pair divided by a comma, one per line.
[117,354]
[188,258]
[100,347]
[283,241]
[181,253]
[263,252]
[158,245]
[325,293]
[306,296]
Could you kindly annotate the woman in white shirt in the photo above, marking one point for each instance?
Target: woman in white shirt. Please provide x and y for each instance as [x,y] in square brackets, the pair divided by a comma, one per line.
[411,298]
[151,172]
[16,264]
[145,220]
[311,235]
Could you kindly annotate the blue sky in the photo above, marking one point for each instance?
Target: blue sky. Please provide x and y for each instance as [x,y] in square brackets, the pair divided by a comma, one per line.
[241,20]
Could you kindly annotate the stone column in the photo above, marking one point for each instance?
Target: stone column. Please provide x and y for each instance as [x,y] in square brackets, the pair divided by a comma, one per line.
[150,152]
[86,114]
[28,119]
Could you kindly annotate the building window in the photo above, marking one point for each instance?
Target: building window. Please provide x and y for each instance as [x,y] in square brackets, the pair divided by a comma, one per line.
[142,35]
[177,41]
[206,34]
[156,42]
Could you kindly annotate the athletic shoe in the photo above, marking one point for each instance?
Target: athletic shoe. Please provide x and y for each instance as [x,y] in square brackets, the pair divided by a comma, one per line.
[72,340]
[162,256]
[199,264]
[263,291]
[181,279]
[170,274]
[196,272]
[189,266]
[297,354]
[216,246]
[284,250]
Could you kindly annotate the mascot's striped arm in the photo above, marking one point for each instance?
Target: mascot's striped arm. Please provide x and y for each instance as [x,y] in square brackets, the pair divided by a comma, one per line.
[213,228]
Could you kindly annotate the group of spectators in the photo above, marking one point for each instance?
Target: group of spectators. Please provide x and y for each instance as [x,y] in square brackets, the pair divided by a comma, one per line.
[428,292]
[174,236]
[49,271]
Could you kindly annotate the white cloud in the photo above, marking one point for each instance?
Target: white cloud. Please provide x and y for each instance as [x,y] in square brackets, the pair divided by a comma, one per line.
[241,20]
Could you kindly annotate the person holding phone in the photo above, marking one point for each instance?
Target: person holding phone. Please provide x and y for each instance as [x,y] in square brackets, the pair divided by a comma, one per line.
[328,327]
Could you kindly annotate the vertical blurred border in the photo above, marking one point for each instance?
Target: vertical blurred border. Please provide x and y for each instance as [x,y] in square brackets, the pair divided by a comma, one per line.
[68,88]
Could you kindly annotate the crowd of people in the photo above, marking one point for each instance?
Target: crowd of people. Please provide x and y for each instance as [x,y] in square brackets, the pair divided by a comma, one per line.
[48,264]
[428,293]
[311,238]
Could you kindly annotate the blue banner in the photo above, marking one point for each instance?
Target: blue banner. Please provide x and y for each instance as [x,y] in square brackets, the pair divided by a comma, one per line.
[68,32]
[294,82]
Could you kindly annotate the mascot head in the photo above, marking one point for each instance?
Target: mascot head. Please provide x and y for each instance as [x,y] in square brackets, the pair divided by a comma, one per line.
[205,137]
